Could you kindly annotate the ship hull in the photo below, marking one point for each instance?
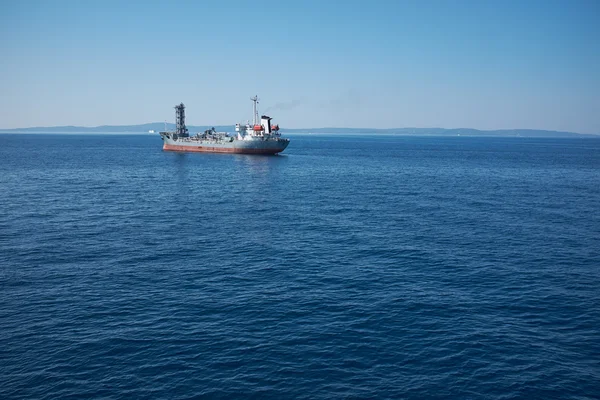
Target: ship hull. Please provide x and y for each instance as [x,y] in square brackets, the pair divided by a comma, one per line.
[236,146]
[212,149]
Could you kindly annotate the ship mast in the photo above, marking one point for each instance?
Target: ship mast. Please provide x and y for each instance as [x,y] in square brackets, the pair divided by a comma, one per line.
[180,128]
[255,101]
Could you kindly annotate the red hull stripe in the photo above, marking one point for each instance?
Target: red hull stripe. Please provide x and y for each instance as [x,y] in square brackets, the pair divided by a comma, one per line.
[207,149]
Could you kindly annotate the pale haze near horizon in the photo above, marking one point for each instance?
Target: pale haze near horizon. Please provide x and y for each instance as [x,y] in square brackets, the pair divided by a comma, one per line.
[450,64]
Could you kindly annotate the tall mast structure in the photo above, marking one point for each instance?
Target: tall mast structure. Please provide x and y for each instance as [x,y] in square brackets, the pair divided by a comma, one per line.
[180,127]
[255,101]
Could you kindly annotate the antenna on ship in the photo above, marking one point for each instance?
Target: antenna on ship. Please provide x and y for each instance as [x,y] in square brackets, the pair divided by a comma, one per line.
[255,100]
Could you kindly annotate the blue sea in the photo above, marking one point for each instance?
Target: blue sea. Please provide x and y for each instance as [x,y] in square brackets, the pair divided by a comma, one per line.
[354,267]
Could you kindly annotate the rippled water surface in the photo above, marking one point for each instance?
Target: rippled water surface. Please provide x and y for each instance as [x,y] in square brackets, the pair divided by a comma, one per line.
[347,267]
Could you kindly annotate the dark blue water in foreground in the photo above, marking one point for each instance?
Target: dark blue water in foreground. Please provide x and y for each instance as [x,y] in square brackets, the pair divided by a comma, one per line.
[348,267]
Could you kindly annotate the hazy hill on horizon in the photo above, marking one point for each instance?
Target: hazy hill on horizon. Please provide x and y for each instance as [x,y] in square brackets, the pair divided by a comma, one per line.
[160,126]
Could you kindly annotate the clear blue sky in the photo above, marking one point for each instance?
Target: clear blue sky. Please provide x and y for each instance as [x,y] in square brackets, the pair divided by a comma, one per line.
[479,64]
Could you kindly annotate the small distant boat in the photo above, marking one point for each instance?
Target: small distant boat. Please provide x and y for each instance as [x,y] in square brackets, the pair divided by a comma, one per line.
[151,131]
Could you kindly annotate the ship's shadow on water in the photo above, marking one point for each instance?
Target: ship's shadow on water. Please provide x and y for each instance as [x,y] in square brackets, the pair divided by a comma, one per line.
[346,267]
[252,162]
[260,163]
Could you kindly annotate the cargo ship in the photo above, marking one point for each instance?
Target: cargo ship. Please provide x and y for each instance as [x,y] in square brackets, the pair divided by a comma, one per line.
[260,137]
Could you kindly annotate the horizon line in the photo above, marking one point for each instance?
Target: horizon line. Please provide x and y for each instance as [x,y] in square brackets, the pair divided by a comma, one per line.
[306,129]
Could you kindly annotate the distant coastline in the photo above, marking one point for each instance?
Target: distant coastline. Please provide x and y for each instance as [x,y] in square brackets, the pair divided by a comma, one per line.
[159,126]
